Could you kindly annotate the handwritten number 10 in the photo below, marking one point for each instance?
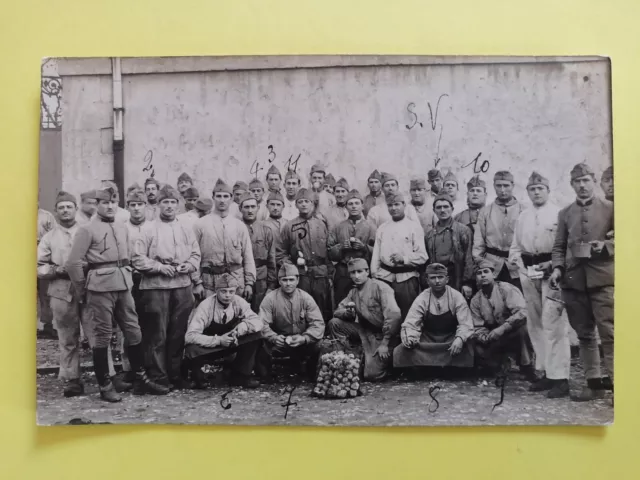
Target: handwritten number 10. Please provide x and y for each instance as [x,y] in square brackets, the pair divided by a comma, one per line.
[483,168]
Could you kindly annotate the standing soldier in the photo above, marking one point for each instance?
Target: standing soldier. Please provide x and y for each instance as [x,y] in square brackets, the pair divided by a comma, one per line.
[122,215]
[53,250]
[274,179]
[606,183]
[225,247]
[46,223]
[190,197]
[451,188]
[338,212]
[583,261]
[239,189]
[476,199]
[329,184]
[375,196]
[168,256]
[324,200]
[399,253]
[264,251]
[420,207]
[151,188]
[102,246]
[435,181]
[352,238]
[449,243]
[275,204]
[185,182]
[303,242]
[494,231]
[291,187]
[257,191]
[548,329]
[87,209]
[202,207]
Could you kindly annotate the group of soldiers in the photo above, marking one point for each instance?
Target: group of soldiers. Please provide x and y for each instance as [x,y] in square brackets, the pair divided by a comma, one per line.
[426,279]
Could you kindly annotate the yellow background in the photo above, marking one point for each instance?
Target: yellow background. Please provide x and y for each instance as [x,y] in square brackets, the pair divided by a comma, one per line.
[31,29]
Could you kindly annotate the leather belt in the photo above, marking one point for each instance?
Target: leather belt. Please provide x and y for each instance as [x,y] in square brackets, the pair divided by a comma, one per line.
[497,253]
[120,263]
[529,259]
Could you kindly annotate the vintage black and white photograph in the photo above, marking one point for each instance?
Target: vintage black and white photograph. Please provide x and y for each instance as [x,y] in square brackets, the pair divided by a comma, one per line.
[325,241]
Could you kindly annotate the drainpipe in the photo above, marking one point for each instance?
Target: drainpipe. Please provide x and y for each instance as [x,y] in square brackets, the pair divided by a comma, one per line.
[118,134]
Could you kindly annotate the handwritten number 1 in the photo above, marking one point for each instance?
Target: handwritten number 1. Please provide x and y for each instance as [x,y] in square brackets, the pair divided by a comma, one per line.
[289,403]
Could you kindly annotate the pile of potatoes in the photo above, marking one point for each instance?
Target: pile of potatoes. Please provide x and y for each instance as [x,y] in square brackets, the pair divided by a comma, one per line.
[338,376]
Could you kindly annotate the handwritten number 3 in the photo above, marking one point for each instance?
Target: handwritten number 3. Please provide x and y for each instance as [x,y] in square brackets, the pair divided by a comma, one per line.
[271,152]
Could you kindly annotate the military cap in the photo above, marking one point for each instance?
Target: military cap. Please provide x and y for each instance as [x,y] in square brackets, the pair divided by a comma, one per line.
[255,183]
[226,281]
[276,197]
[476,181]
[580,170]
[240,185]
[153,181]
[434,174]
[482,264]
[288,270]
[184,177]
[503,175]
[388,177]
[305,194]
[354,194]
[417,183]
[357,264]
[273,170]
[330,180]
[537,179]
[65,197]
[168,192]
[221,187]
[442,196]
[436,269]
[136,195]
[318,168]
[608,173]
[394,198]
[191,192]
[342,183]
[291,174]
[204,204]
[450,177]
[246,196]
[375,174]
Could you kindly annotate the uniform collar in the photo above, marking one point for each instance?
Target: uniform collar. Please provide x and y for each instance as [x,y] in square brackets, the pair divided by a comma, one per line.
[584,203]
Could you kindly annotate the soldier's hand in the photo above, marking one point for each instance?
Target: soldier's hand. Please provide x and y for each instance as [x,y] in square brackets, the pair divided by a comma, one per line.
[60,270]
[198,292]
[467,291]
[183,268]
[396,258]
[346,245]
[544,266]
[597,246]
[357,244]
[494,334]
[227,340]
[456,346]
[296,341]
[382,351]
[279,341]
[167,270]
[248,293]
[555,277]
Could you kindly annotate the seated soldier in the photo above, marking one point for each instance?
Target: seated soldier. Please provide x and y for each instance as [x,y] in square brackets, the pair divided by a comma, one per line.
[223,325]
[437,328]
[293,325]
[500,315]
[368,315]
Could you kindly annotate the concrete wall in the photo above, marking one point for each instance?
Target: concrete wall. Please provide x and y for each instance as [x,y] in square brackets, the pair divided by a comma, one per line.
[520,117]
[87,140]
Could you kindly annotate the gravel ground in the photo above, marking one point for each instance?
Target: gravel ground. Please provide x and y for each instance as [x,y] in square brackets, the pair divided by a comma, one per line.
[463,401]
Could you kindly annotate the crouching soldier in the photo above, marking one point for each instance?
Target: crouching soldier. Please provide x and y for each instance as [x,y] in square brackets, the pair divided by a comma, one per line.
[500,315]
[293,325]
[369,315]
[103,246]
[222,326]
[437,328]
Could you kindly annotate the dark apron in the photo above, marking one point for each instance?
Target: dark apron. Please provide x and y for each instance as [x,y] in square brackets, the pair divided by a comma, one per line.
[194,351]
[433,348]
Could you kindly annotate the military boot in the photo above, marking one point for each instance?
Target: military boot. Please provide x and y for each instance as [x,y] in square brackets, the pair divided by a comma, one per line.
[73,388]
[120,383]
[593,391]
[108,393]
[144,385]
[559,389]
